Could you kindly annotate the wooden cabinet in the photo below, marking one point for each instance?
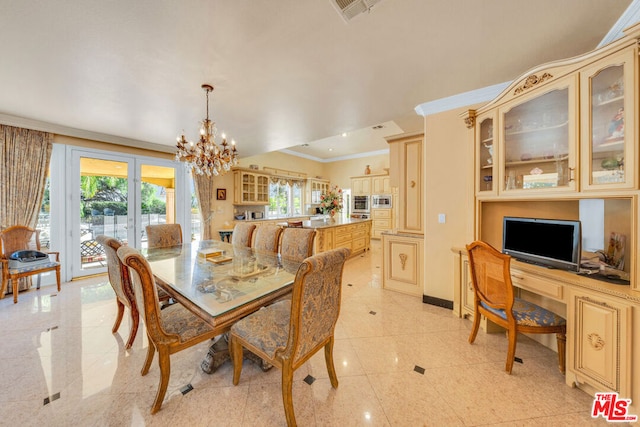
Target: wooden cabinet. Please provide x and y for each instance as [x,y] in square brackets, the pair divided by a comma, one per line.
[608,99]
[403,265]
[568,127]
[250,188]
[408,150]
[361,186]
[355,237]
[315,188]
[599,341]
[381,220]
[538,146]
[380,184]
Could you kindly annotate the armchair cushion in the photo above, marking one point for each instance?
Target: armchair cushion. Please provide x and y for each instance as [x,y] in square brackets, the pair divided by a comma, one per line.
[267,328]
[40,266]
[529,314]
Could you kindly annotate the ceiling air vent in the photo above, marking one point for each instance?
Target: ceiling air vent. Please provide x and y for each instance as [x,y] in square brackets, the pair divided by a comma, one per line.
[349,9]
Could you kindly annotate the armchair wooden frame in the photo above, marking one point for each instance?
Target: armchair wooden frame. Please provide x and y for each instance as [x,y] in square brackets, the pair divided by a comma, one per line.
[491,278]
[16,238]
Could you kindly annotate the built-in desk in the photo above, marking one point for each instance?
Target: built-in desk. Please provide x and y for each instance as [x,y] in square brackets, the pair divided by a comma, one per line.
[600,319]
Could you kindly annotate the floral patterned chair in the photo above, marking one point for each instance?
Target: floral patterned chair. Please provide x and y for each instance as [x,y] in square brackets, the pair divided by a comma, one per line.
[267,238]
[297,243]
[19,238]
[494,298]
[163,235]
[121,284]
[242,234]
[169,331]
[287,333]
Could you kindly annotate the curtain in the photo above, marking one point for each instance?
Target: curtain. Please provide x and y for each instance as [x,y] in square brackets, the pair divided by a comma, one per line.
[24,162]
[204,192]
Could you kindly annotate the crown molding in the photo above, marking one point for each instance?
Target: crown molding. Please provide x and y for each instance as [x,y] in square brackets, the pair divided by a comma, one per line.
[22,122]
[461,100]
[628,17]
[335,159]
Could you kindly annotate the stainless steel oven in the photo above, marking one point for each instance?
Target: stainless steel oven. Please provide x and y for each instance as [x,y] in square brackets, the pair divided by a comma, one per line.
[381,201]
[360,204]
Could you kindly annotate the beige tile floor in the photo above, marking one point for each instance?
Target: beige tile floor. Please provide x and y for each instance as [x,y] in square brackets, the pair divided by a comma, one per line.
[61,345]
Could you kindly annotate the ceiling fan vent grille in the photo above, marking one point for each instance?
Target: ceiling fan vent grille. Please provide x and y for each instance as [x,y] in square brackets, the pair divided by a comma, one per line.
[349,9]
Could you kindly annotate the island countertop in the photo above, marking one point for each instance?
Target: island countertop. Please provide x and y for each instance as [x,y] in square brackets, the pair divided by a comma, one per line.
[320,223]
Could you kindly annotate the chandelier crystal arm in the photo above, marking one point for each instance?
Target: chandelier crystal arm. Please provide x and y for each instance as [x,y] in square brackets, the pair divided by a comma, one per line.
[205,156]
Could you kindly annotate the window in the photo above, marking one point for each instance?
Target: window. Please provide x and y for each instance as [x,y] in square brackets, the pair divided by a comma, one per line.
[285,197]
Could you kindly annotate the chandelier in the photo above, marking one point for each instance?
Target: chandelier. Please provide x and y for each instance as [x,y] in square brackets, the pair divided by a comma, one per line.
[205,156]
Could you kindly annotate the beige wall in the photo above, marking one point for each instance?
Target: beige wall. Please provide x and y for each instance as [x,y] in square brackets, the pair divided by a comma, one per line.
[341,172]
[448,160]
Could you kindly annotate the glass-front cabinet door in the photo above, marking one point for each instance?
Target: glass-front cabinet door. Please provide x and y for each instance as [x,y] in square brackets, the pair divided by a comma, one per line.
[486,155]
[608,116]
[539,141]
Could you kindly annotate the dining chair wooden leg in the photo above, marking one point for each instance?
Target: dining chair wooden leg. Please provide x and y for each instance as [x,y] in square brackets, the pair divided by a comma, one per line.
[287,398]
[561,339]
[135,323]
[119,316]
[58,277]
[165,372]
[147,363]
[16,284]
[236,355]
[474,327]
[511,353]
[3,287]
[331,369]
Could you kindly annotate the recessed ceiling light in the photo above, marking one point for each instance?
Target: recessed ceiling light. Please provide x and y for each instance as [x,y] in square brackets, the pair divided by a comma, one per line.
[344,134]
[330,149]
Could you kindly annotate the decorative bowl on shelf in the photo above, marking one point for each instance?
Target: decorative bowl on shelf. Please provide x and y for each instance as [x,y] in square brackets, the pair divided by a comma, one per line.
[526,156]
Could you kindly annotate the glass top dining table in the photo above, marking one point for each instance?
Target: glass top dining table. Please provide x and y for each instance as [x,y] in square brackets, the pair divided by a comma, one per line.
[224,288]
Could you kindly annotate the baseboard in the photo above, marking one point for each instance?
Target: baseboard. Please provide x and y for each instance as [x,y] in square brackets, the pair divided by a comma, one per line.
[437,301]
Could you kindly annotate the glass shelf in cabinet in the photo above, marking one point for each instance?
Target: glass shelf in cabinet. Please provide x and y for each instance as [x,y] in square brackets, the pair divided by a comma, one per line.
[537,129]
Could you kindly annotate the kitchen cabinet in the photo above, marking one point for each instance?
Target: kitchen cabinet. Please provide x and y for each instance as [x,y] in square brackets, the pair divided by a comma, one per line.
[355,236]
[361,186]
[250,188]
[380,184]
[409,149]
[381,220]
[402,263]
[315,188]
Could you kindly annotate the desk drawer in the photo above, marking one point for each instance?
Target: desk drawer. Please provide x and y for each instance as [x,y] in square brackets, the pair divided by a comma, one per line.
[537,285]
[358,244]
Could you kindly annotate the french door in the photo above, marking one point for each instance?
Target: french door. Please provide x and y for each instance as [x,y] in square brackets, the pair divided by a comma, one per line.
[118,195]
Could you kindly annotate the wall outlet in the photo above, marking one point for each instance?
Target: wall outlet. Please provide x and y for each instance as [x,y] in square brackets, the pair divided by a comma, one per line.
[442,218]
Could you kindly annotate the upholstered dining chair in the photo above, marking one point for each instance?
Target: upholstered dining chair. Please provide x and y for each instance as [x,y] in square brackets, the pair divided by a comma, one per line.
[267,238]
[169,331]
[494,298]
[287,333]
[242,234]
[297,243]
[163,235]
[120,282]
[21,238]
[294,224]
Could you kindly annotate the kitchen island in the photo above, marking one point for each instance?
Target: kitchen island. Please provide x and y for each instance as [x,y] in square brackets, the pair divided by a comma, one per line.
[350,233]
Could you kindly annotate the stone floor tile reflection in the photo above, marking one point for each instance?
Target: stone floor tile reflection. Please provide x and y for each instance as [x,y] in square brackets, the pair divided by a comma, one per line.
[399,363]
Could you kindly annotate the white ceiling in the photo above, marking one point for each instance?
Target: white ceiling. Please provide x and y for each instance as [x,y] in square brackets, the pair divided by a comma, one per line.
[286,72]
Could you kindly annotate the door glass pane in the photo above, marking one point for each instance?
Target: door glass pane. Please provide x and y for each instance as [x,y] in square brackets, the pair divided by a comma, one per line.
[536,136]
[103,207]
[486,155]
[607,113]
[157,197]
